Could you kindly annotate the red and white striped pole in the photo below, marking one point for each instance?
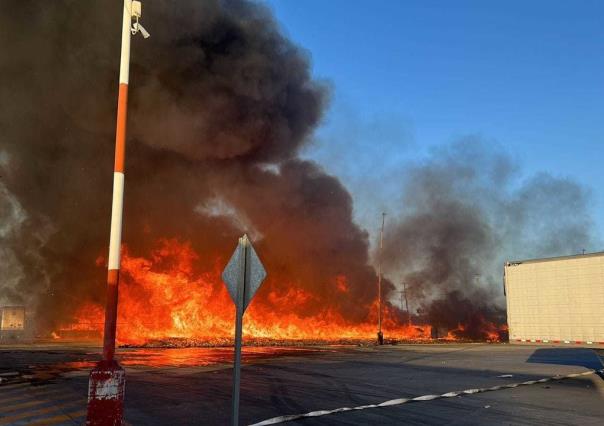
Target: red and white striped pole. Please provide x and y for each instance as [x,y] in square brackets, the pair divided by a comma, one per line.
[117,207]
[107,380]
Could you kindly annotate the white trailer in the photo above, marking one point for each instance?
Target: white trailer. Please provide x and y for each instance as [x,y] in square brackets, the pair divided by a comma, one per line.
[556,300]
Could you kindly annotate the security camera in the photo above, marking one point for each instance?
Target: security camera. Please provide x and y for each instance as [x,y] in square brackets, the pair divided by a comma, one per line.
[143,31]
[137,27]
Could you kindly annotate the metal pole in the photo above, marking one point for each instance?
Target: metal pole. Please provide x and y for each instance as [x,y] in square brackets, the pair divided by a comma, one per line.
[402,305]
[243,278]
[407,303]
[107,380]
[115,239]
[380,336]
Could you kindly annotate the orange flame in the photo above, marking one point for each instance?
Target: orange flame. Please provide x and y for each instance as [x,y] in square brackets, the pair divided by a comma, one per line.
[162,297]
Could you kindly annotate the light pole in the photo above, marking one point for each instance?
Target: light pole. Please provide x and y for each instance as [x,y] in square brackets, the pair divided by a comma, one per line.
[107,379]
[380,336]
[406,303]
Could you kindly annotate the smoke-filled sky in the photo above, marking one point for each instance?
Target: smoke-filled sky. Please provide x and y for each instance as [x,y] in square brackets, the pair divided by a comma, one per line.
[240,122]
[422,84]
[526,76]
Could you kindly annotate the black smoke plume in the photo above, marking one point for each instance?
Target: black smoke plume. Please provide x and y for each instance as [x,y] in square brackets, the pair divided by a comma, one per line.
[220,104]
[466,210]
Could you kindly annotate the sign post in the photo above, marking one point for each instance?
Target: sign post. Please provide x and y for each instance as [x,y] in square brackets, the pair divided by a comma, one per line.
[243,275]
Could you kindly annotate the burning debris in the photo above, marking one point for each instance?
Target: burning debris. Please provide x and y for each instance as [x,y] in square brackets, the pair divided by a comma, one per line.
[172,301]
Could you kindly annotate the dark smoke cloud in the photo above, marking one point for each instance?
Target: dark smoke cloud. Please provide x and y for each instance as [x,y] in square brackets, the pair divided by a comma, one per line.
[220,105]
[464,212]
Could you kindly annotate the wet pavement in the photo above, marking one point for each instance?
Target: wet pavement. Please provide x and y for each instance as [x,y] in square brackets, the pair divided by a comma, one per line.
[193,385]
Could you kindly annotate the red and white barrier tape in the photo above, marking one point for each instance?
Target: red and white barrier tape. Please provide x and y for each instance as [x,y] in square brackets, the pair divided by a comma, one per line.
[399,401]
[568,342]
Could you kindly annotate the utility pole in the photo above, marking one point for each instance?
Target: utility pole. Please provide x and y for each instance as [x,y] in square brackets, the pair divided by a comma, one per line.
[402,305]
[380,335]
[406,303]
[107,379]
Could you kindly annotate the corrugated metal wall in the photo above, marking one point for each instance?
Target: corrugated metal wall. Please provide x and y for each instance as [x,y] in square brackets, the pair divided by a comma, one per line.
[559,300]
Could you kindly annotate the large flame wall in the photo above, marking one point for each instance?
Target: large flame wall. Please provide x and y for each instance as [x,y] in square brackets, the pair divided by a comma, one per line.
[173,301]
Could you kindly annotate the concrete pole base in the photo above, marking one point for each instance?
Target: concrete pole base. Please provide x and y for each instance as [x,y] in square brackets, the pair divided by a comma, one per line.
[106,395]
[380,338]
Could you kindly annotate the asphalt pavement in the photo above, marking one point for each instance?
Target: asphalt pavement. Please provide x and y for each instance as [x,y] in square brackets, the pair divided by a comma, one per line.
[47,385]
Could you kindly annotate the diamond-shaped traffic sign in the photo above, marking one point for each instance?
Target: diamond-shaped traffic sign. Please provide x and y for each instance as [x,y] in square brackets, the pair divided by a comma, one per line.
[243,275]
[244,269]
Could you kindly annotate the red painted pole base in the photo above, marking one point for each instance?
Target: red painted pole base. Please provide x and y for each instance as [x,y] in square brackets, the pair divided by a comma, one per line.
[106,395]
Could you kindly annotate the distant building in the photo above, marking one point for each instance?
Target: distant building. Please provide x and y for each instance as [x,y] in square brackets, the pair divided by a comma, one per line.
[556,300]
[12,323]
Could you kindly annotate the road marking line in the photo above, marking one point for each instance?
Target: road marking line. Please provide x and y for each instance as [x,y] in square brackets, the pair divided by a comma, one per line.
[24,405]
[15,398]
[47,410]
[31,403]
[283,419]
[59,419]
[15,392]
[29,395]
[14,386]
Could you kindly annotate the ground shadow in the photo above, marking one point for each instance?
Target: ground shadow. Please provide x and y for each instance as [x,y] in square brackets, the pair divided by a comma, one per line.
[582,357]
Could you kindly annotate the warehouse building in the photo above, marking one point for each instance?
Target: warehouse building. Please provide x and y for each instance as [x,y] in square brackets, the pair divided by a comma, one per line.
[556,300]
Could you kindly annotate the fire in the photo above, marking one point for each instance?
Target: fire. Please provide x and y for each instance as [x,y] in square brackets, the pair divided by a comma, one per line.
[341,284]
[163,297]
[491,332]
[171,301]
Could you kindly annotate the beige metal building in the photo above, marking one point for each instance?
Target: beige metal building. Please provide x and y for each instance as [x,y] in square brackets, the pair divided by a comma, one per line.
[556,300]
[13,318]
[12,323]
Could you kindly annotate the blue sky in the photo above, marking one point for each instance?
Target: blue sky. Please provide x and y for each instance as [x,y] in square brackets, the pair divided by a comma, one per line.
[526,76]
